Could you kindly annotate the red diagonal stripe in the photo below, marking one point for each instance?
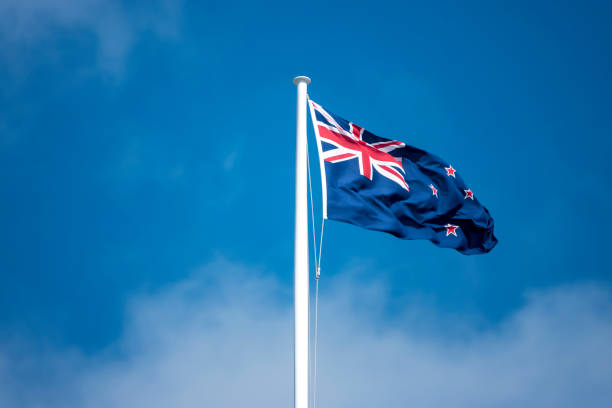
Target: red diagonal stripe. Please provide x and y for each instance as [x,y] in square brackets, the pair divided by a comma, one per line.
[340,157]
[395,173]
[385,144]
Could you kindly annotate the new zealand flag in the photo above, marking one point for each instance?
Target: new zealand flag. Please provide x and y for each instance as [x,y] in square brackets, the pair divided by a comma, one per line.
[388,186]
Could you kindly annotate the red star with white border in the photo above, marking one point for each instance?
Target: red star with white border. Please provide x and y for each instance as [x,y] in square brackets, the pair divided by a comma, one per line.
[468,194]
[450,171]
[451,229]
[434,191]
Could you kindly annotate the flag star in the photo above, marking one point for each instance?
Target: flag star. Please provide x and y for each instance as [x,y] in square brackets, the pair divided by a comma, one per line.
[468,194]
[451,229]
[434,191]
[450,171]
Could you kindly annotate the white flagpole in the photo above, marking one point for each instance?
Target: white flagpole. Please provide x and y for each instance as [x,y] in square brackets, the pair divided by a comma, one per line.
[301,249]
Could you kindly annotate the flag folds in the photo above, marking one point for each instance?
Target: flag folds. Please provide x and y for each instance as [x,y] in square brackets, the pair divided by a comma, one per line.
[386,185]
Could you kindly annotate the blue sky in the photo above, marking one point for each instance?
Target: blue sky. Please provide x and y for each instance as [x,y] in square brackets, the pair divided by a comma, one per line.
[143,142]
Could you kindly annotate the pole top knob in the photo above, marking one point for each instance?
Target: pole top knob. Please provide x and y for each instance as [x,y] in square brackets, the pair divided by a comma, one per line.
[301,78]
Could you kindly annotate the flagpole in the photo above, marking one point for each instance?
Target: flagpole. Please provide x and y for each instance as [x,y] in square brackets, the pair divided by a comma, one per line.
[300,265]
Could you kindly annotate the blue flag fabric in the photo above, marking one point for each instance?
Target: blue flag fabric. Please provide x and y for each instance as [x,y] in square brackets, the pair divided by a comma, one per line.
[386,185]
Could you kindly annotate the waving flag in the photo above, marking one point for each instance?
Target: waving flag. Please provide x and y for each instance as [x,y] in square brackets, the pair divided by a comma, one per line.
[386,185]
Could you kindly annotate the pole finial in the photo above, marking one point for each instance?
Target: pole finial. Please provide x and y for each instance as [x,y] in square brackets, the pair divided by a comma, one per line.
[301,78]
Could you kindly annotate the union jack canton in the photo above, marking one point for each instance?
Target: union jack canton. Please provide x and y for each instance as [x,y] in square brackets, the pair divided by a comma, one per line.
[386,185]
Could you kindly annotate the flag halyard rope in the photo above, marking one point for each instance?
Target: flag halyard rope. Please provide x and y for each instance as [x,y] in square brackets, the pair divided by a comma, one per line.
[317,259]
[314,238]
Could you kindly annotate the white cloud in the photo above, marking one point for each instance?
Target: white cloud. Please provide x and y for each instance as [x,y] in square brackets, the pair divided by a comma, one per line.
[224,338]
[115,26]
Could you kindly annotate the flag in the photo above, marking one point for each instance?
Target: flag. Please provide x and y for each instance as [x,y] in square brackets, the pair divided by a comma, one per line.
[386,185]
